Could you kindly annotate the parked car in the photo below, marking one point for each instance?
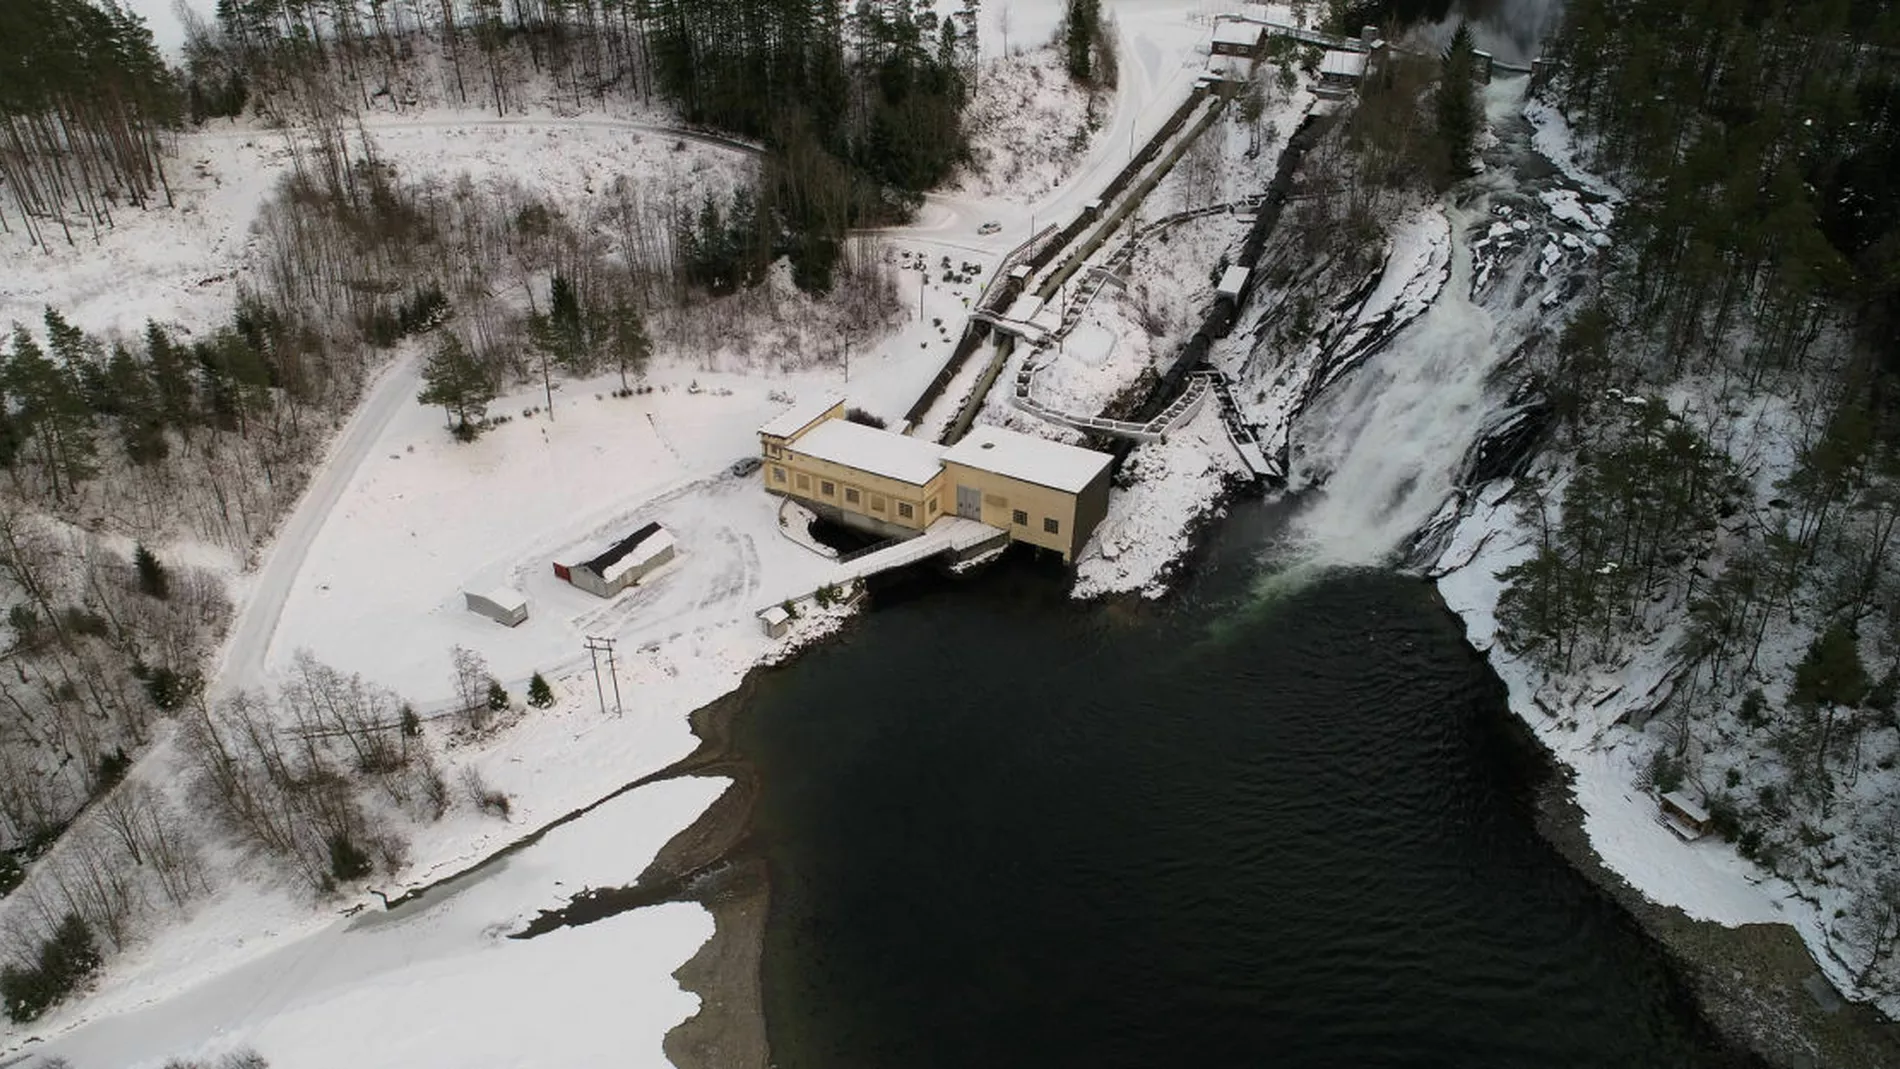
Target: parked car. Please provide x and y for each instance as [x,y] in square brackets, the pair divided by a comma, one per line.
[990,227]
[745,466]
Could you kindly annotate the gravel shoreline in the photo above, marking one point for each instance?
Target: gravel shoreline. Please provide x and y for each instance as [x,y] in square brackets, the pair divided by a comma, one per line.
[708,863]
[1751,982]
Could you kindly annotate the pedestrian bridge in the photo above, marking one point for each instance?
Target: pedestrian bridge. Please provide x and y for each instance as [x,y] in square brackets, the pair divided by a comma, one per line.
[953,535]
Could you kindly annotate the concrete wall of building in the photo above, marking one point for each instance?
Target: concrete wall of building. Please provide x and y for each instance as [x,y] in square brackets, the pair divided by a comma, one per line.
[874,497]
[1023,509]
[584,577]
[868,524]
[1091,508]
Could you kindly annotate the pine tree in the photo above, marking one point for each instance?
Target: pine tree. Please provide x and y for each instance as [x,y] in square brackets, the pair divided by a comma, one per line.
[1078,38]
[128,396]
[348,861]
[540,695]
[153,582]
[171,380]
[51,412]
[1455,104]
[560,334]
[626,339]
[455,381]
[497,697]
[1831,673]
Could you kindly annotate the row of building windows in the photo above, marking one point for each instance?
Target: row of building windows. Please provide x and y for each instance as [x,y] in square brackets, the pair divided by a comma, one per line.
[852,496]
[1021,519]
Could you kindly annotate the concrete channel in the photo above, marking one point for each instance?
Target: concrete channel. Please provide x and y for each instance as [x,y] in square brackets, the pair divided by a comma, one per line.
[1098,221]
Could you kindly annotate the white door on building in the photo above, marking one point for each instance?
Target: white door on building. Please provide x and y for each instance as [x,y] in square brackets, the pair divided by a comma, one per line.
[969,502]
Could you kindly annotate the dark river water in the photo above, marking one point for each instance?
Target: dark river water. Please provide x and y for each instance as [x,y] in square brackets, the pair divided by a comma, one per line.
[1007,830]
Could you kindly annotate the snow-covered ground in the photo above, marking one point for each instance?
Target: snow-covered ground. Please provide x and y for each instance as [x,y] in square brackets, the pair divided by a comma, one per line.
[1582,718]
[1135,327]
[182,265]
[1174,486]
[368,574]
[1029,126]
[1707,880]
[1580,721]
[435,982]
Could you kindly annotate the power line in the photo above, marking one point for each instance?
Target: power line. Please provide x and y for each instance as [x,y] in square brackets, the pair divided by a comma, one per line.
[596,647]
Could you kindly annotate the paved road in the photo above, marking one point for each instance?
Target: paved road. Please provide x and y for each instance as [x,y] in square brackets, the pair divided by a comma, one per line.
[242,663]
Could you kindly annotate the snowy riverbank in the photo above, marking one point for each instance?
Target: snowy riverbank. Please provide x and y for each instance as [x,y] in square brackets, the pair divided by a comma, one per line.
[1590,721]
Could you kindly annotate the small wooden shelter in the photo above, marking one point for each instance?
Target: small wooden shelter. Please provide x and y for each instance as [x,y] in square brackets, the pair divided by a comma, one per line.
[1684,816]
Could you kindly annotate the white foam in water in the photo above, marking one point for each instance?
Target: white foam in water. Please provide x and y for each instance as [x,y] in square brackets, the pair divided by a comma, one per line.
[1386,445]
[1389,441]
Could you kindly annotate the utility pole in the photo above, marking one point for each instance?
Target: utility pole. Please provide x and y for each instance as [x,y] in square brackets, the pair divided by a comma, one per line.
[596,647]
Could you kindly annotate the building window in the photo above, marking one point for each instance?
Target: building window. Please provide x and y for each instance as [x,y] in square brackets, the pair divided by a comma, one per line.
[933,506]
[1050,526]
[774,451]
[804,483]
[851,495]
[878,504]
[827,488]
[906,510]
[778,474]
[1020,517]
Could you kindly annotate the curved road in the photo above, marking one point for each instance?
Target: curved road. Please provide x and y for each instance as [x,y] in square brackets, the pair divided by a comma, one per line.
[242,662]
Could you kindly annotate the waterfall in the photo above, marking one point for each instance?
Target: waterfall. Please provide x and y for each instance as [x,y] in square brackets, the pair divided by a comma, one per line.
[1382,452]
[1387,445]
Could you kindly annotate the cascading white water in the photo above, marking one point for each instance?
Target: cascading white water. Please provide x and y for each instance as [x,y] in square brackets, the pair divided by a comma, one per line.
[1386,446]
[1389,441]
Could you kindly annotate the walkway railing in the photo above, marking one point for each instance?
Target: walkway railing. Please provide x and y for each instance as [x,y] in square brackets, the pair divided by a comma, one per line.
[1180,411]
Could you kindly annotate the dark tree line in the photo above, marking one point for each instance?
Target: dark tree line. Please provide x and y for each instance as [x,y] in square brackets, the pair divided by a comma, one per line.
[861,104]
[864,108]
[84,99]
[1766,141]
[59,400]
[283,50]
[1088,44]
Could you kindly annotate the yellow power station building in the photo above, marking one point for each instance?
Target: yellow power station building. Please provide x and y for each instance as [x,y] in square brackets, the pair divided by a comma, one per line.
[1037,491]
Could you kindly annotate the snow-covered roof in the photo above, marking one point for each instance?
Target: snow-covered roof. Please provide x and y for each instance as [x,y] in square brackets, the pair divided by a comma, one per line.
[894,456]
[774,615]
[1343,64]
[640,556]
[796,418]
[631,552]
[1028,458]
[1234,32]
[1232,280]
[506,597]
[1683,804]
